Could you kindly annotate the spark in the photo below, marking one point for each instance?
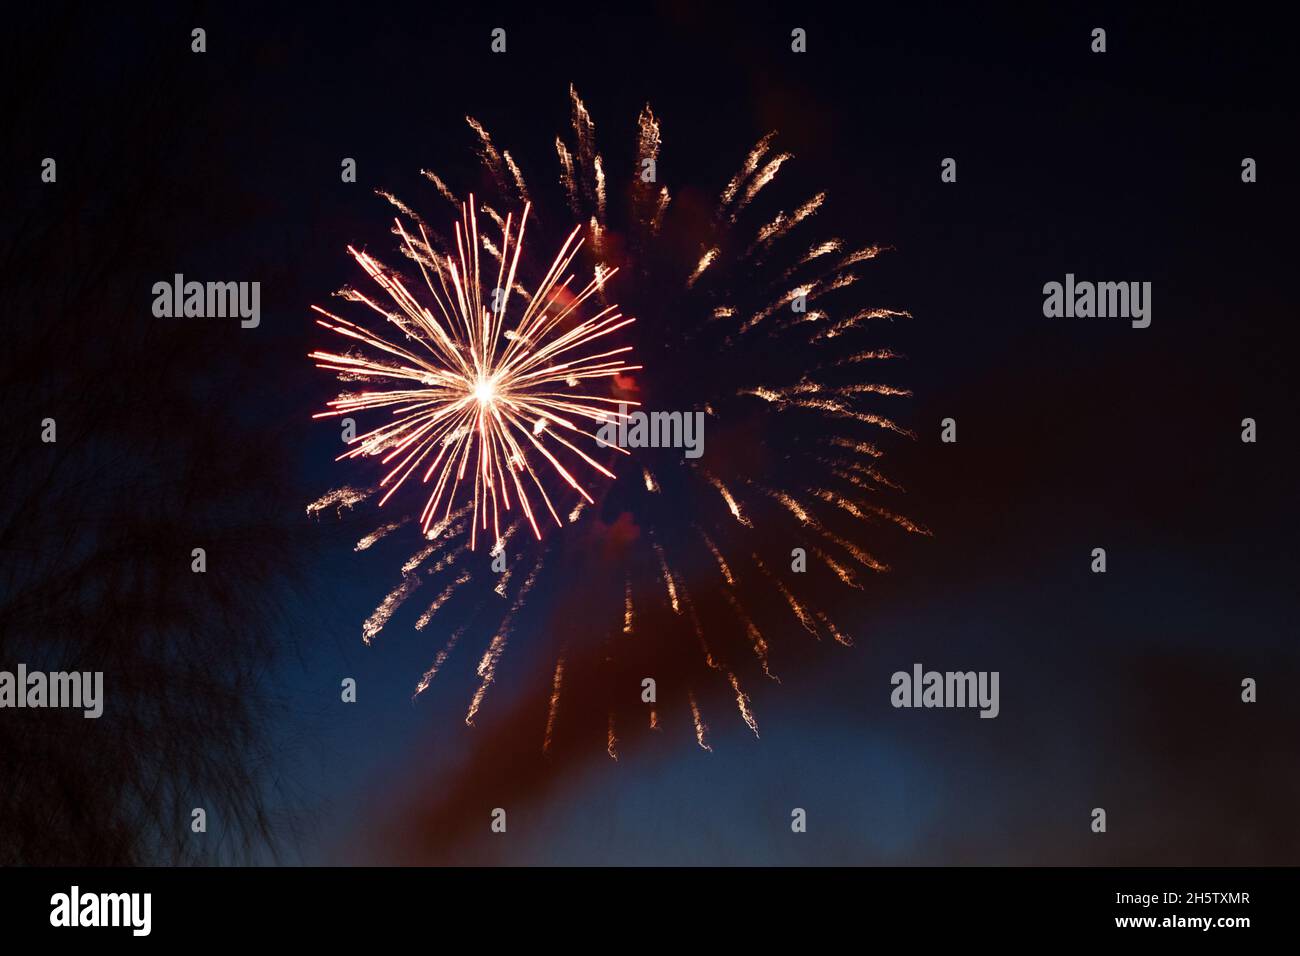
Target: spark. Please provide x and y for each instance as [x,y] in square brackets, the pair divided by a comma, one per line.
[487,152]
[600,190]
[869,355]
[583,125]
[861,555]
[808,292]
[438,662]
[701,728]
[669,583]
[764,177]
[816,252]
[380,532]
[448,559]
[649,136]
[814,388]
[742,703]
[799,610]
[732,504]
[566,173]
[866,315]
[441,599]
[825,494]
[556,683]
[857,447]
[438,184]
[792,505]
[717,556]
[841,572]
[450,522]
[627,606]
[907,524]
[747,169]
[487,667]
[706,260]
[782,224]
[487,670]
[500,589]
[338,498]
[400,206]
[865,254]
[709,660]
[417,559]
[516,175]
[860,475]
[656,221]
[835,632]
[375,623]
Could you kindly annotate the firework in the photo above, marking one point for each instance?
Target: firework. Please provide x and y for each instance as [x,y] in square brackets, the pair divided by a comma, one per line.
[470,396]
[680,568]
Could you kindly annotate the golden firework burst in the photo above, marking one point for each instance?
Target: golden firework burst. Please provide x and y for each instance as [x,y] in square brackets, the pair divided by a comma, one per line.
[477,399]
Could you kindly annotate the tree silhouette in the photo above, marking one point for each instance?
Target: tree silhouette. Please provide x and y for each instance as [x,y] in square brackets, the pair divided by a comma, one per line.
[152,460]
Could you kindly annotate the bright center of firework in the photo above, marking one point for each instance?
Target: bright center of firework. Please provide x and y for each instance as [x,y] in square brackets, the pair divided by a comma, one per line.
[485,391]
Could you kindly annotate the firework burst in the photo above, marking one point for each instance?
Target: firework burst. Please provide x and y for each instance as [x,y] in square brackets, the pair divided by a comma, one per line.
[679,568]
[470,396]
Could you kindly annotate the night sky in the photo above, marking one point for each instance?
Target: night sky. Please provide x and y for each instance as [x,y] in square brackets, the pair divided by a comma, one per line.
[1119,691]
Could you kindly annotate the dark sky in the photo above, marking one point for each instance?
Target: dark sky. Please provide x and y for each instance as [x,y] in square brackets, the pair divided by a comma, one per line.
[1118,690]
